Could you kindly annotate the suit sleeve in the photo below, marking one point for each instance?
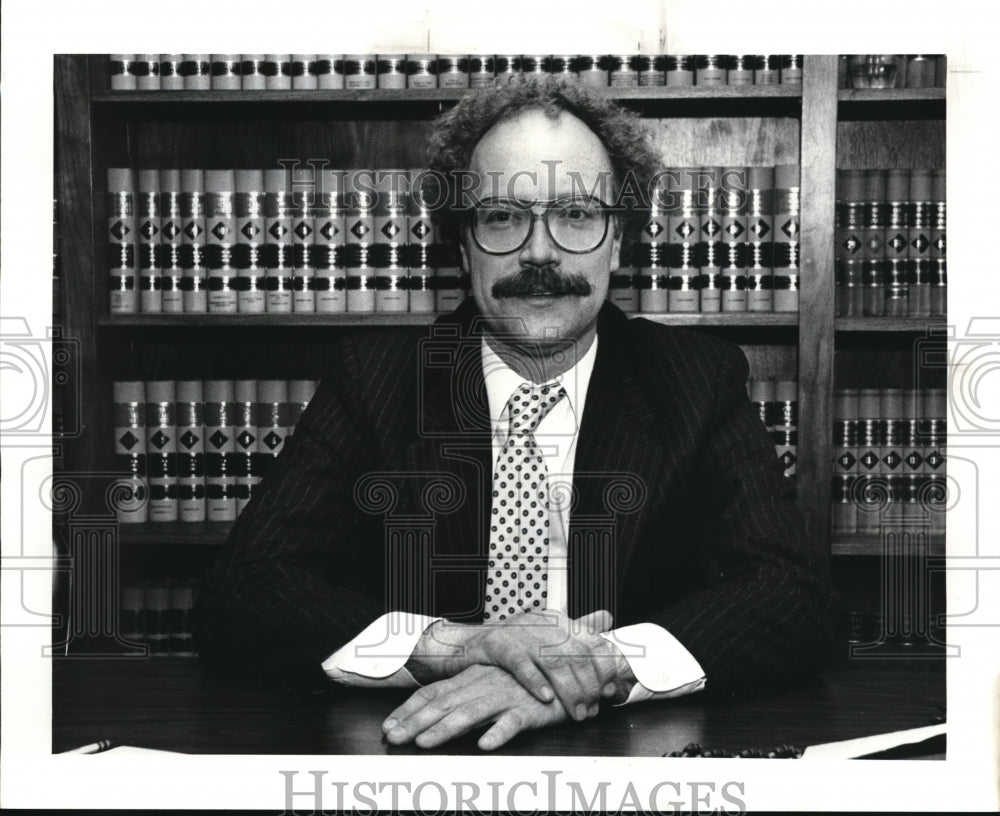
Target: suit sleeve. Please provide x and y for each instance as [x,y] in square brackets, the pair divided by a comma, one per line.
[290,586]
[763,613]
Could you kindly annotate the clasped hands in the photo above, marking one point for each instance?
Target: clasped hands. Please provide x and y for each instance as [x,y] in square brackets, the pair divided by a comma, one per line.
[531,670]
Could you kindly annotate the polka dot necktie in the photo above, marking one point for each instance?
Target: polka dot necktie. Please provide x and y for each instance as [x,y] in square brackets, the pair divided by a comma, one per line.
[517,574]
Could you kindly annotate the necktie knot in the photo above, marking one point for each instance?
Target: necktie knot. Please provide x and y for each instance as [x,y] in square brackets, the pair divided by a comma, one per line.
[530,404]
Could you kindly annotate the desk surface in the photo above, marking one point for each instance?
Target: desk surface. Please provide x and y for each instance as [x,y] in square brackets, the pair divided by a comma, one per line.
[174,704]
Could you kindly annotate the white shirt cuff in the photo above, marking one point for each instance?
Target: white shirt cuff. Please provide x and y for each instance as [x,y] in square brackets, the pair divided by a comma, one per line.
[660,663]
[377,655]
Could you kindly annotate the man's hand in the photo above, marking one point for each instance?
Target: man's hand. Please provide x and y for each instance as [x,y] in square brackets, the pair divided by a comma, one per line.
[552,656]
[476,696]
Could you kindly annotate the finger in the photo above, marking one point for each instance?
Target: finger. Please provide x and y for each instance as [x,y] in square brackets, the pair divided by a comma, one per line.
[508,725]
[457,722]
[413,704]
[594,622]
[530,677]
[567,687]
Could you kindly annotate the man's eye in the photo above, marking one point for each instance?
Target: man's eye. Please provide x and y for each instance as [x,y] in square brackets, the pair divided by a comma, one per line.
[499,217]
[579,215]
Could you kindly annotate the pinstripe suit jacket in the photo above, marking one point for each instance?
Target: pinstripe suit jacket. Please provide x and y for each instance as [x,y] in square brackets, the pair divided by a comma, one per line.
[381,500]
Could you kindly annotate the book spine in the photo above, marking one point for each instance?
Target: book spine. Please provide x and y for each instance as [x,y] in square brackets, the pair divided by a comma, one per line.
[760,240]
[920,229]
[787,241]
[123,279]
[156,616]
[897,243]
[150,264]
[420,239]
[252,72]
[180,623]
[844,516]
[129,412]
[197,72]
[390,232]
[934,405]
[684,247]
[892,411]
[220,226]
[869,493]
[328,256]
[278,72]
[303,238]
[761,394]
[161,450]
[733,212]
[249,252]
[245,432]
[220,444]
[938,245]
[272,420]
[171,73]
[873,241]
[190,451]
[303,77]
[172,255]
[623,289]
[121,68]
[300,392]
[193,241]
[654,277]
[360,224]
[147,70]
[330,71]
[849,243]
[278,211]
[226,72]
[786,424]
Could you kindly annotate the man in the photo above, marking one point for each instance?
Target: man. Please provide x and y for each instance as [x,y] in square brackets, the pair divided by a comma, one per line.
[540,505]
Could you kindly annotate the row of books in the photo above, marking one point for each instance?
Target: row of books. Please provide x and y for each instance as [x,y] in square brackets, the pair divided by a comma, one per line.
[203,72]
[893,71]
[158,614]
[889,451]
[307,238]
[194,450]
[777,403]
[891,242]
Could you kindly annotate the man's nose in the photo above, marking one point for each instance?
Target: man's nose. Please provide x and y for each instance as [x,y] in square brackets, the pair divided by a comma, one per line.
[539,249]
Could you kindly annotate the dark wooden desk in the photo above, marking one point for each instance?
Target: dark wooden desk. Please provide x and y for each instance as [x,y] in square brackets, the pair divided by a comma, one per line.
[173,704]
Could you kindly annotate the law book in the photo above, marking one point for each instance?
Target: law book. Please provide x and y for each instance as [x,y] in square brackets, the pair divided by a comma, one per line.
[148,226]
[767,70]
[171,73]
[161,450]
[121,68]
[249,251]
[193,285]
[870,489]
[848,241]
[220,444]
[390,230]
[129,419]
[197,72]
[653,277]
[330,275]
[180,614]
[938,245]
[786,424]
[873,241]
[156,614]
[303,237]
[190,417]
[759,242]
[685,291]
[844,515]
[123,275]
[934,429]
[245,433]
[420,242]
[787,243]
[329,70]
[892,410]
[172,275]
[623,287]
[300,392]
[147,72]
[359,223]
[226,70]
[279,212]
[897,243]
[684,234]
[272,420]
[921,205]
[220,241]
[304,77]
[278,72]
[252,72]
[733,207]
[761,394]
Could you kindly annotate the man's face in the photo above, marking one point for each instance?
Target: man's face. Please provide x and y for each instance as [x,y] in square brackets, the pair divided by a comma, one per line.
[533,158]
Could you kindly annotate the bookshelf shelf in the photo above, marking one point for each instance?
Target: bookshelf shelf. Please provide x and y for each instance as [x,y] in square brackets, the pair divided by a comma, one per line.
[881,96]
[407,319]
[178,534]
[422,96]
[861,544]
[913,325]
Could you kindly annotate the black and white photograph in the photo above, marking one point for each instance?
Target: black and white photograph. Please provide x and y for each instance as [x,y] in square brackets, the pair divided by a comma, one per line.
[448,424]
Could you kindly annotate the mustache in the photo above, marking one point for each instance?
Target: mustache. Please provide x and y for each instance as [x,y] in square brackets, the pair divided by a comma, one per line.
[537,280]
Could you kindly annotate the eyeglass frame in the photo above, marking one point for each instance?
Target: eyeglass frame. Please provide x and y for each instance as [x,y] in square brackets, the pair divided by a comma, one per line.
[608,211]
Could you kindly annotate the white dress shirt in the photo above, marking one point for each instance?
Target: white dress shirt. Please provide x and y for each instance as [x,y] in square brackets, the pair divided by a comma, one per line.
[660,663]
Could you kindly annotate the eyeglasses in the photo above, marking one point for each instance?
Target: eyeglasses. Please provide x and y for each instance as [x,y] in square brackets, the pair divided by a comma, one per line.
[502,226]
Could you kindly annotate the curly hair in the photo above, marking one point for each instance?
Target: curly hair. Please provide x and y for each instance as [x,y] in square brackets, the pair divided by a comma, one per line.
[458,130]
